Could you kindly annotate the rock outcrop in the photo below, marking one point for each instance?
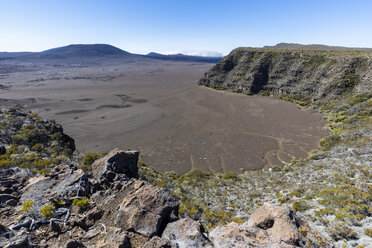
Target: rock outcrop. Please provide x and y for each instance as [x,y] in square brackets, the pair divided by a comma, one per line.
[67,207]
[187,233]
[317,73]
[147,210]
[268,226]
[280,224]
[116,162]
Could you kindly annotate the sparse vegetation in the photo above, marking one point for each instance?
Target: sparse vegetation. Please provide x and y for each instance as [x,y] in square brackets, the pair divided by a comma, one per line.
[47,211]
[26,206]
[81,203]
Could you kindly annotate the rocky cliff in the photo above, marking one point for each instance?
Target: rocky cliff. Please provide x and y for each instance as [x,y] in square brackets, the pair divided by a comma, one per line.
[316,73]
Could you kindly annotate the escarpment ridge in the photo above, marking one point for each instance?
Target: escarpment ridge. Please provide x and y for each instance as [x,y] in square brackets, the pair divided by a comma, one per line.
[312,73]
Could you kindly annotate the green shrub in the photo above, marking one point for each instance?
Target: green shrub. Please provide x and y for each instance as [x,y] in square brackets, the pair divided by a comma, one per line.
[298,192]
[89,158]
[195,175]
[81,203]
[300,206]
[47,211]
[230,176]
[368,232]
[26,206]
[329,142]
[340,231]
[37,148]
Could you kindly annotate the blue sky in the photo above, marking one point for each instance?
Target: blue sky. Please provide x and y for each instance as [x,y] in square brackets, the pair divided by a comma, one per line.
[188,26]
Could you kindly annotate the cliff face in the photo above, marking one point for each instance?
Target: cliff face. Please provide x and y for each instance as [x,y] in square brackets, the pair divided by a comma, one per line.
[318,73]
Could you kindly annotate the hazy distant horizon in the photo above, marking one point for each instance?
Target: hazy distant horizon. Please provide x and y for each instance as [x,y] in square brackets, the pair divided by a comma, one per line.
[189,27]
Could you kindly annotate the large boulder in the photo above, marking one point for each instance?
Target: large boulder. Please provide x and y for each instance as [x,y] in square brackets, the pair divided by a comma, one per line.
[268,226]
[279,223]
[186,233]
[116,162]
[239,236]
[146,210]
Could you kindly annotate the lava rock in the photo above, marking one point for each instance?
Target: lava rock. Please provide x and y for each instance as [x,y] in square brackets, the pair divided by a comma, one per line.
[271,226]
[117,161]
[115,238]
[186,233]
[157,242]
[147,210]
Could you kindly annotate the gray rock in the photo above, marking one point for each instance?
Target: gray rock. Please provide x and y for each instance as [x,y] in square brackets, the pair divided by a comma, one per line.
[19,240]
[157,242]
[116,162]
[186,233]
[115,238]
[268,226]
[146,210]
[279,223]
[43,189]
[239,236]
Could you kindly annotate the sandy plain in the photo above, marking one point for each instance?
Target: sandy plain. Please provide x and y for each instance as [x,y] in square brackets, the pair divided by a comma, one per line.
[158,108]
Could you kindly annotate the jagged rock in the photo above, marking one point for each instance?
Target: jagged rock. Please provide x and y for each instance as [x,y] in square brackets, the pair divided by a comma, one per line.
[19,240]
[268,226]
[43,189]
[11,203]
[115,238]
[2,150]
[280,223]
[6,197]
[116,161]
[237,235]
[89,218]
[157,242]
[186,233]
[146,210]
[3,229]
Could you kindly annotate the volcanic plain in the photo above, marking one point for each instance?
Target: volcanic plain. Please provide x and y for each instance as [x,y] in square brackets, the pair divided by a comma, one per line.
[157,107]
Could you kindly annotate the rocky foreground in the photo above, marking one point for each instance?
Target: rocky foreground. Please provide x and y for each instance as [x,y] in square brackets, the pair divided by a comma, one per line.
[111,207]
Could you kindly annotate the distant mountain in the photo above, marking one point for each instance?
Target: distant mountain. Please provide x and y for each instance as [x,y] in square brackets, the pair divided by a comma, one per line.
[88,50]
[182,57]
[313,47]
